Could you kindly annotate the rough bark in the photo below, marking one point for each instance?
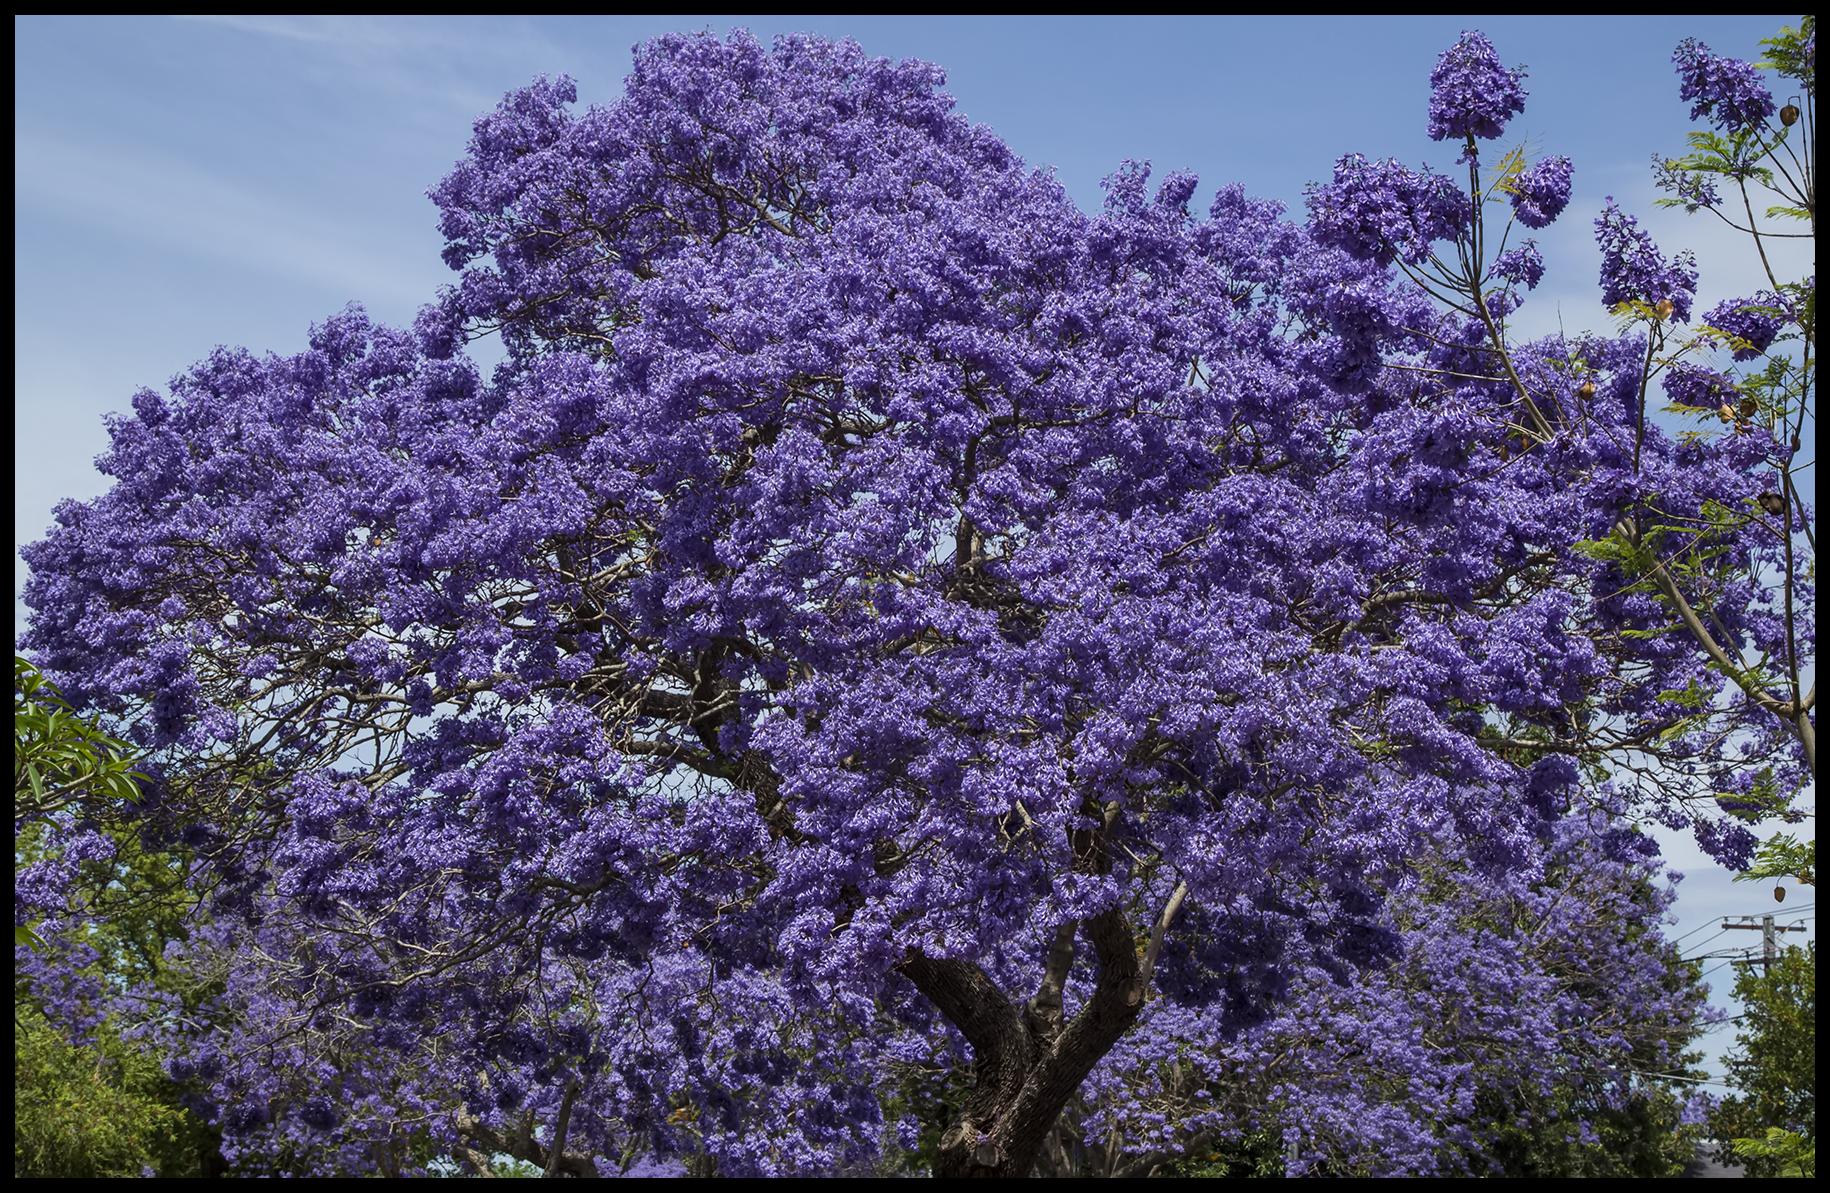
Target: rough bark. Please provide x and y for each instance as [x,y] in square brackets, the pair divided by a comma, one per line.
[1024,1073]
[1028,1062]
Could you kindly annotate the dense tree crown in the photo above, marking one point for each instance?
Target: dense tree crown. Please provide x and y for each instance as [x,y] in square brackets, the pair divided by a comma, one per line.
[885,639]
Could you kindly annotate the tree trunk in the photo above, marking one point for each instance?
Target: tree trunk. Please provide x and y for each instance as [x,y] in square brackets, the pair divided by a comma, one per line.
[1026,1067]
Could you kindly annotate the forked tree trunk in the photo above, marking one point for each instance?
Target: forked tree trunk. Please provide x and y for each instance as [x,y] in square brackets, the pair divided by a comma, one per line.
[1027,1063]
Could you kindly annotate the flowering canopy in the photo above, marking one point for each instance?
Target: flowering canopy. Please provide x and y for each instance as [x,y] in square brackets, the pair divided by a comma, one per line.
[876,611]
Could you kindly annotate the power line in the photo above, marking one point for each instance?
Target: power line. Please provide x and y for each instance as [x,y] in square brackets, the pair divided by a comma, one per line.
[1769,928]
[1787,914]
[1692,932]
[1719,1024]
[1699,944]
[1682,1077]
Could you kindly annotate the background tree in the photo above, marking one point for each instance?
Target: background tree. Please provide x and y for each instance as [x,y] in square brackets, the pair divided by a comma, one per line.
[99,1108]
[1774,1065]
[89,1099]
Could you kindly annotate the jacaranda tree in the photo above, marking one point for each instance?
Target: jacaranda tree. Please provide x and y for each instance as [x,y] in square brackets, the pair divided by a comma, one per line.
[878,614]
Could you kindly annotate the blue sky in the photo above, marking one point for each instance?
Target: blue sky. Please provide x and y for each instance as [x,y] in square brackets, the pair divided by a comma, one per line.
[182,183]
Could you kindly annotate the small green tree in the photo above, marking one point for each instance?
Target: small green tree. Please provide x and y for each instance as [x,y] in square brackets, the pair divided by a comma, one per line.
[98,1104]
[1771,1126]
[97,1109]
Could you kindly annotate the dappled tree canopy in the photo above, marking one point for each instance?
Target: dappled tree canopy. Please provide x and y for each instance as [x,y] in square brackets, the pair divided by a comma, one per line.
[881,619]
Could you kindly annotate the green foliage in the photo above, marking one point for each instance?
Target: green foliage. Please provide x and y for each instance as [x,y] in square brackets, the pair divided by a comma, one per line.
[1617,549]
[1790,54]
[63,765]
[1734,156]
[1784,856]
[101,1105]
[1780,1152]
[1535,1135]
[1506,173]
[1257,1155]
[1775,1067]
[60,760]
[103,1108]
[932,1095]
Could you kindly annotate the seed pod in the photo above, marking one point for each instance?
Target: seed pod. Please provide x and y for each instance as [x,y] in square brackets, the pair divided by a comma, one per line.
[1779,894]
[1749,408]
[1788,115]
[1726,412]
[1664,308]
[1586,390]
[1773,503]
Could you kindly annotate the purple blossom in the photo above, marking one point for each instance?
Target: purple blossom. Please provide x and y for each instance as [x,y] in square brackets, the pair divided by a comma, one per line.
[1727,91]
[1756,320]
[1730,844]
[1693,385]
[1633,270]
[1382,210]
[1471,93]
[1522,265]
[1540,193]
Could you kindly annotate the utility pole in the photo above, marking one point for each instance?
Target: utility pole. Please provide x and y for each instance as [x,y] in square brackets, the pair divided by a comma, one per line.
[1769,937]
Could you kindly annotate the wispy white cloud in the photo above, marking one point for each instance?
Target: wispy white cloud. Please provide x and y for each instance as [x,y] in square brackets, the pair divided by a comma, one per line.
[343,30]
[483,36]
[441,58]
[143,197]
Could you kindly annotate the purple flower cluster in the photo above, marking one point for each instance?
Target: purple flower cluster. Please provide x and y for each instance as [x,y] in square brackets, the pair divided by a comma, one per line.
[1522,265]
[1383,210]
[1540,193]
[1633,269]
[1702,388]
[1727,91]
[1471,93]
[1755,320]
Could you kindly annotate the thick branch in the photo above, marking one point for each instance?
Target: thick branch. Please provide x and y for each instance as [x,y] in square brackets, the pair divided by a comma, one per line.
[1155,948]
